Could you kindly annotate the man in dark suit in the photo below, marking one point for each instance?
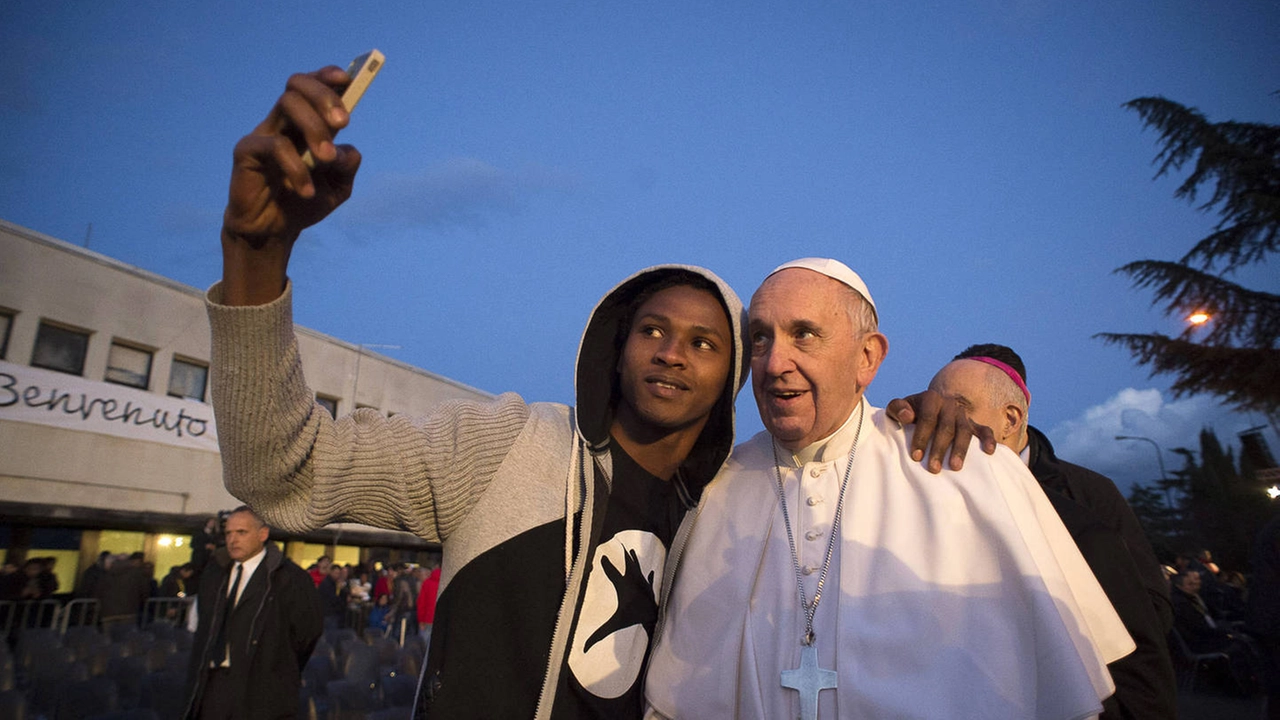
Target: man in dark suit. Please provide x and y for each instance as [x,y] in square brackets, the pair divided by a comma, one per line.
[259,619]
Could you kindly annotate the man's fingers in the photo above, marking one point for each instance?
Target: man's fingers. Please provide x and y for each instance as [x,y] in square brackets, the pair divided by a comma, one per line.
[333,76]
[900,410]
[306,126]
[317,92]
[987,437]
[296,174]
[347,162]
[941,426]
[336,179]
[309,112]
[321,91]
[964,433]
[925,407]
[966,430]
[943,437]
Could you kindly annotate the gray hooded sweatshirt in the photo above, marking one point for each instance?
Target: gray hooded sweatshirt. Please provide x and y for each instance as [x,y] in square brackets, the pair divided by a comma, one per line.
[515,493]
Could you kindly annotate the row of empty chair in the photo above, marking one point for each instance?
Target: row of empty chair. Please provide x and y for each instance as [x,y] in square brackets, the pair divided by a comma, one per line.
[354,677]
[74,670]
[87,673]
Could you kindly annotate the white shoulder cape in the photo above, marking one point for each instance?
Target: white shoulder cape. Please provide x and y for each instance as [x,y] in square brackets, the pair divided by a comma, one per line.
[960,595]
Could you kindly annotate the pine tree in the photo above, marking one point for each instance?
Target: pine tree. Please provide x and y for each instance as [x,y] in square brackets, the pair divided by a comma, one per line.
[1160,522]
[1220,507]
[1238,356]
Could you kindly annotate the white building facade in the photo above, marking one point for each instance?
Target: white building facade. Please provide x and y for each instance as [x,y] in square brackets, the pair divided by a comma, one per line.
[105,424]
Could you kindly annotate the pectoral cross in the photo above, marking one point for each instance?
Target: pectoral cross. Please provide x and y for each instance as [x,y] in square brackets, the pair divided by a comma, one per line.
[809,680]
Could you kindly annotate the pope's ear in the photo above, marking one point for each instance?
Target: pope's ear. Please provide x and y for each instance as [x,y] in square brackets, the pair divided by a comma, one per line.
[875,347]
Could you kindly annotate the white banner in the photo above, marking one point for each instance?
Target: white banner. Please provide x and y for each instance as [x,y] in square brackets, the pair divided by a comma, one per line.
[44,397]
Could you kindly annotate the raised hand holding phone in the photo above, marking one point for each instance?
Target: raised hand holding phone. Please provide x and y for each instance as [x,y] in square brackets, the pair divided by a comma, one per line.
[274,194]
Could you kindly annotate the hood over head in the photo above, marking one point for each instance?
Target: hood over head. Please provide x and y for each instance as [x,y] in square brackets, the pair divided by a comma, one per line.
[596,374]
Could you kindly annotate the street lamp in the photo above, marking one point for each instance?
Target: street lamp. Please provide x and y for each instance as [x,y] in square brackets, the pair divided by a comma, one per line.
[1199,317]
[1164,476]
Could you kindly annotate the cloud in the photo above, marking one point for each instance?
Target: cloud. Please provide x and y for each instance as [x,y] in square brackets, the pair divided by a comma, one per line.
[458,193]
[1089,439]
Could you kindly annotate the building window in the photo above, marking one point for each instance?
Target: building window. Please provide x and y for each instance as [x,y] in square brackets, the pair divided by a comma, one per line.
[6,323]
[328,403]
[61,349]
[128,365]
[187,379]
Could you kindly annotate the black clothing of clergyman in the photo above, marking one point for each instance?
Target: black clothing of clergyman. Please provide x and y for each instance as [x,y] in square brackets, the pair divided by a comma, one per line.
[272,631]
[1112,542]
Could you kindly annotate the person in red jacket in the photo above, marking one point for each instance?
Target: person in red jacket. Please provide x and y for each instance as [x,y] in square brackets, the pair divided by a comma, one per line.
[427,599]
[320,570]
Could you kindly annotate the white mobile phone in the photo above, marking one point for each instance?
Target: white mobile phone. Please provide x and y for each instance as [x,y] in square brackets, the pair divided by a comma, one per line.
[362,71]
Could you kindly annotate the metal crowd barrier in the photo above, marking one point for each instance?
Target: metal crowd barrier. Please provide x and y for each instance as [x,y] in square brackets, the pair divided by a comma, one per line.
[17,616]
[38,613]
[170,610]
[83,610]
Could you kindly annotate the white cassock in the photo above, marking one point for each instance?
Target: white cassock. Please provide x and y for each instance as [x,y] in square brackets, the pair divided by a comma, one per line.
[957,595]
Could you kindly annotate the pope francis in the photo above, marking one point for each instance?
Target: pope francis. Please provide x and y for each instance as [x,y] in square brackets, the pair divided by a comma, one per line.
[828,575]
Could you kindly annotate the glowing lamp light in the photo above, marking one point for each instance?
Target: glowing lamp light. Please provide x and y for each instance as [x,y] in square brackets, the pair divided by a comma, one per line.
[177,542]
[1198,317]
[164,541]
[1273,492]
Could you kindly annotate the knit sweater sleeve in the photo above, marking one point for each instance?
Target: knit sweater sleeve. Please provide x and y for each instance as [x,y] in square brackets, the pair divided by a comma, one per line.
[299,468]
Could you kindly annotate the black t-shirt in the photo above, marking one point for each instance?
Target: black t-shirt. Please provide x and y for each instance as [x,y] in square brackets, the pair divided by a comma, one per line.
[613,623]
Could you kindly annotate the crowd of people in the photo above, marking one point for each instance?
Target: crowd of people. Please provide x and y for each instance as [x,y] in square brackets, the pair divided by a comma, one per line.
[120,582]
[354,596]
[34,580]
[391,599]
[1212,614]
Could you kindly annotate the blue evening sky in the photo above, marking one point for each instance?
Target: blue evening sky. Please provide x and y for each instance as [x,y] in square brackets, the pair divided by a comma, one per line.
[970,159]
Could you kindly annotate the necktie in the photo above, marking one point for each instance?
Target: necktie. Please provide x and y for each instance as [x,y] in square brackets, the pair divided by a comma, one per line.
[220,648]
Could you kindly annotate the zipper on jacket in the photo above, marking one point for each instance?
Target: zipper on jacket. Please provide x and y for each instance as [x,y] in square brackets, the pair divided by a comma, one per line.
[569,603]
